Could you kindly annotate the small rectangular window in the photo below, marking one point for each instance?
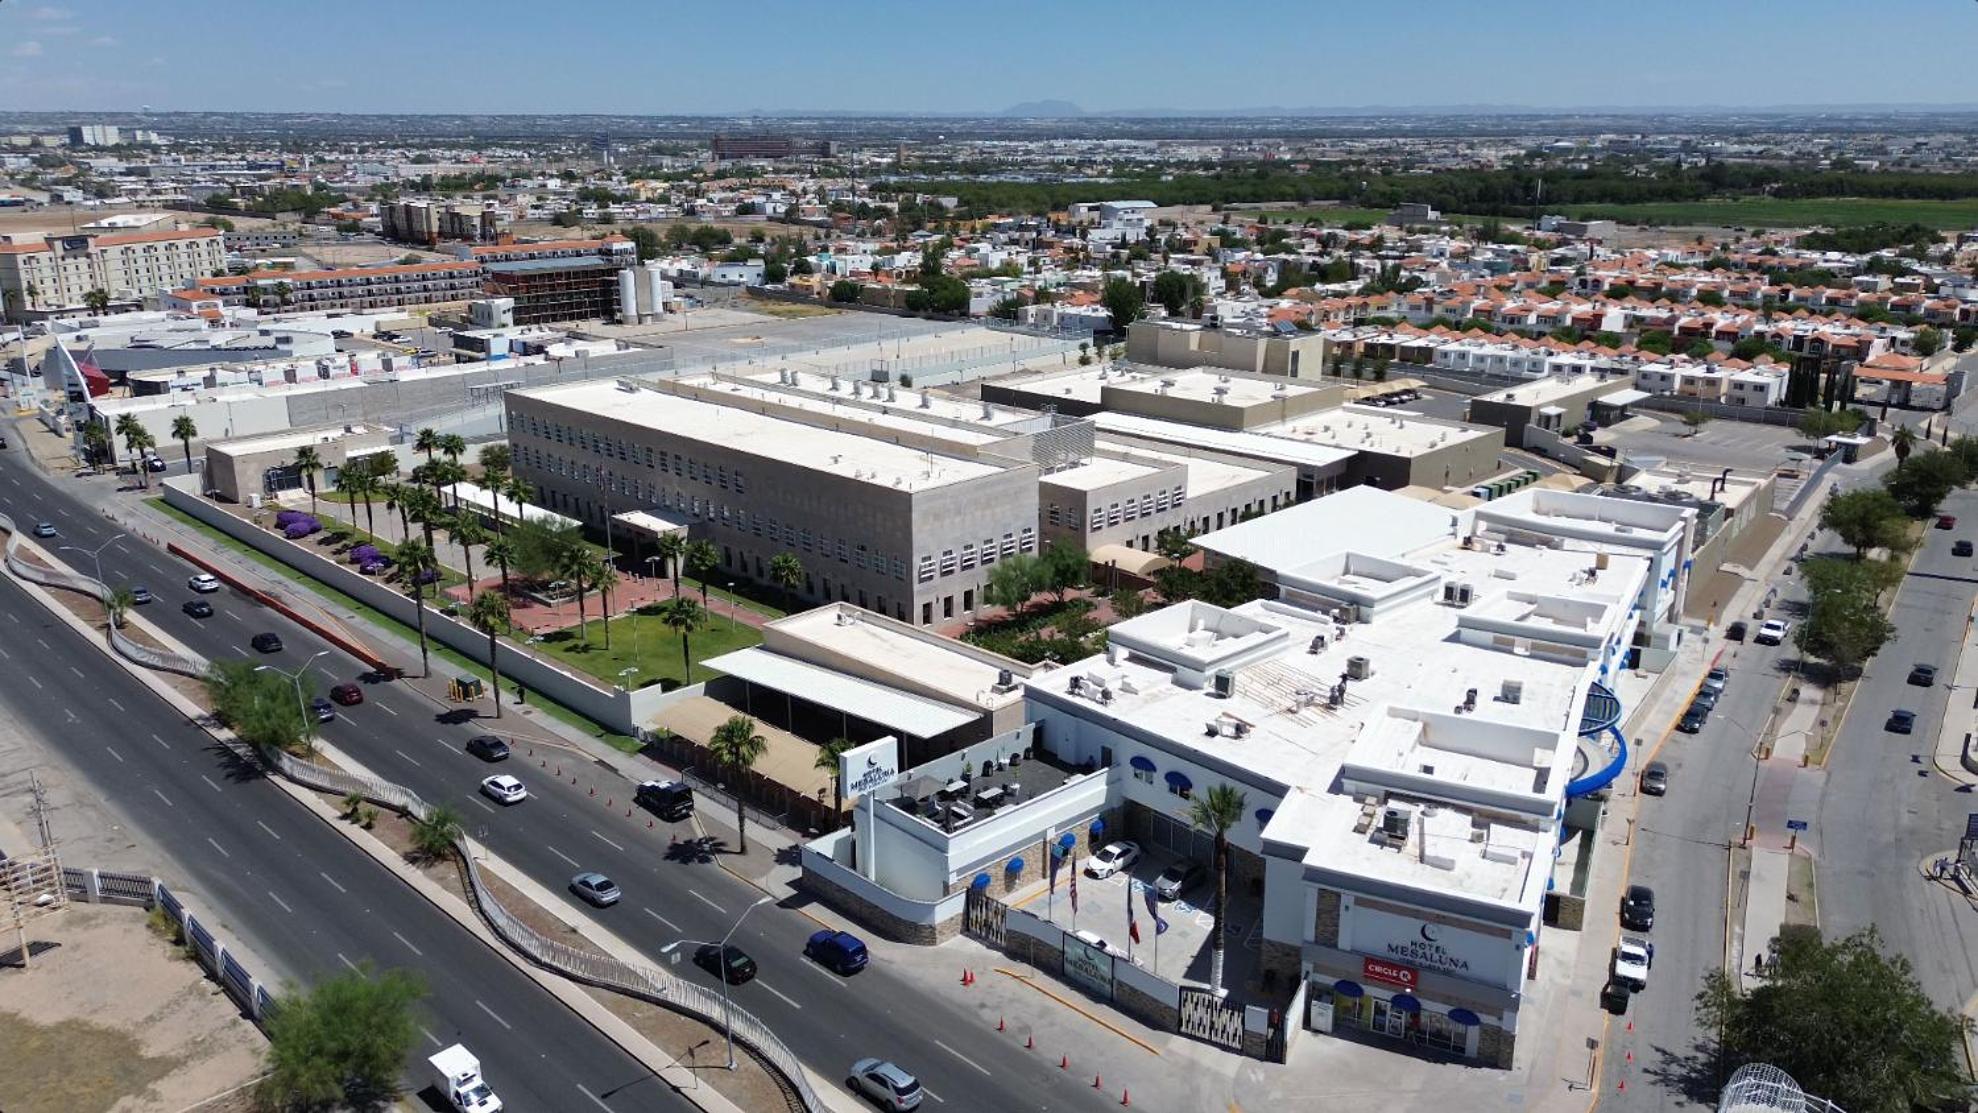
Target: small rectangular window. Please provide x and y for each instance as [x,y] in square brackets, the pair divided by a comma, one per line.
[947,562]
[926,569]
[968,557]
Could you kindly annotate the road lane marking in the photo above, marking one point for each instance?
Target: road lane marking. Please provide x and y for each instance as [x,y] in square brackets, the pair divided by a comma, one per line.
[44,645]
[7,655]
[669,923]
[485,1009]
[165,798]
[332,881]
[78,672]
[406,756]
[209,782]
[235,617]
[561,855]
[697,896]
[218,847]
[31,680]
[408,944]
[280,901]
[946,1048]
[932,1094]
[345,961]
[794,1005]
[160,741]
[268,829]
[430,1036]
[115,754]
[607,842]
[113,703]
[594,1098]
[387,710]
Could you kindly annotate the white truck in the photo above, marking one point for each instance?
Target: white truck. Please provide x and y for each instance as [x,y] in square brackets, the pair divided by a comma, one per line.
[457,1074]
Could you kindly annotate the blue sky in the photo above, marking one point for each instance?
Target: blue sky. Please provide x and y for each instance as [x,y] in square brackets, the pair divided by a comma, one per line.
[667,56]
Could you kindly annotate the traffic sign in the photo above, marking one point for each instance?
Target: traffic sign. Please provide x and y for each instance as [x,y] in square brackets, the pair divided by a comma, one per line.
[1800,824]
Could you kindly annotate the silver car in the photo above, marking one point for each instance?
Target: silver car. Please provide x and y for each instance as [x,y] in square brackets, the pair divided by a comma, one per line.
[595,888]
[886,1084]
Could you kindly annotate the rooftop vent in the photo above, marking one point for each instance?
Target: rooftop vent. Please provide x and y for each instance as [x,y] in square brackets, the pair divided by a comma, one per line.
[1395,822]
[1512,691]
[1225,683]
[1359,668]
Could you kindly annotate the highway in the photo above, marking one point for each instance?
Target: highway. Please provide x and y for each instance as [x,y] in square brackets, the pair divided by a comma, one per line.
[293,891]
[826,1020]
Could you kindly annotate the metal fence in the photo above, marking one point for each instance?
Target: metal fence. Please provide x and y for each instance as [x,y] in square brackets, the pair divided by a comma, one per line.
[191,665]
[106,887]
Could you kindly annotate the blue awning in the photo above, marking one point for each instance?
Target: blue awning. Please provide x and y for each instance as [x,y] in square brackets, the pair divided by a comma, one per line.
[1464,1017]
[1097,830]
[1406,1002]
[1264,816]
[981,881]
[1141,763]
[1179,780]
[1014,865]
[1346,988]
[1067,840]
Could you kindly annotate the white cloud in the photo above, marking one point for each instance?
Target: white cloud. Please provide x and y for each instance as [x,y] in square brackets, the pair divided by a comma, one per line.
[51,15]
[65,29]
[28,49]
[103,40]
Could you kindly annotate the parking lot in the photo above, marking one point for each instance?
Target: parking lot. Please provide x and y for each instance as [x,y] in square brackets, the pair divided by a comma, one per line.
[1746,446]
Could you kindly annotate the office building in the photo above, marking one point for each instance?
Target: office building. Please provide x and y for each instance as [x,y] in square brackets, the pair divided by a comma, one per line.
[47,276]
[94,135]
[730,148]
[349,287]
[1264,350]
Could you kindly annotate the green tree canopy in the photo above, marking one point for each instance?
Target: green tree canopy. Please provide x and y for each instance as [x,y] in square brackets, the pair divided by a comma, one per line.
[260,707]
[1844,625]
[342,1043]
[1921,482]
[1866,519]
[1124,301]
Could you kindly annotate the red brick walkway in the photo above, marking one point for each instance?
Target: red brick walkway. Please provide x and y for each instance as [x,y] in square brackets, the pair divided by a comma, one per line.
[632,592]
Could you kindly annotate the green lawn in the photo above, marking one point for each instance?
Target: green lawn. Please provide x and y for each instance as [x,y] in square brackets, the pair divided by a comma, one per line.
[644,642]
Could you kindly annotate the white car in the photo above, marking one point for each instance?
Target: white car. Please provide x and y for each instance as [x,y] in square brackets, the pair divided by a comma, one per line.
[1632,958]
[205,583]
[504,789]
[1112,858]
[1772,632]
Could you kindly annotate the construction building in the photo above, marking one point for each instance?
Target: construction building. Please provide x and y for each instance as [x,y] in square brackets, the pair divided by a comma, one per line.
[728,148]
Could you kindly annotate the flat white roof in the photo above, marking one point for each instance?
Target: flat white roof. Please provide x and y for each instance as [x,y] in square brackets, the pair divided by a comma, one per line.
[1205,476]
[1539,392]
[1623,397]
[845,454]
[891,708]
[481,498]
[953,669]
[1098,471]
[1201,386]
[294,438]
[906,401]
[1361,519]
[897,416]
[1367,429]
[1282,450]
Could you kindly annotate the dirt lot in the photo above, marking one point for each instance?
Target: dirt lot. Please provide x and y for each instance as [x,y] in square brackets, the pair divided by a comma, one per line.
[158,1035]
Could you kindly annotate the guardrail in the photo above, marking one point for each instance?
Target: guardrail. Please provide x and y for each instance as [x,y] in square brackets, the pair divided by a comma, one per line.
[148,656]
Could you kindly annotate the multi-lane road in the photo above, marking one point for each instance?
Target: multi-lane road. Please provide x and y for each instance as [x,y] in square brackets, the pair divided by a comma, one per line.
[826,1020]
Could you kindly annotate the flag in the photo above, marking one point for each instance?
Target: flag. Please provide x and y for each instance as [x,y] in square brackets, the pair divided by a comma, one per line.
[1132,925]
[1153,908]
[1074,888]
[94,380]
[1056,856]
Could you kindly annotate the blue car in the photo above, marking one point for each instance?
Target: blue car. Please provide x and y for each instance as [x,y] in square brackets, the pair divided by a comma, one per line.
[837,950]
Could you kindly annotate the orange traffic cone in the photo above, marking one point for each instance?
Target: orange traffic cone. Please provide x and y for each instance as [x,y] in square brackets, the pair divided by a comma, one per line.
[1029,1043]
[1125,1097]
[999,1024]
[1064,1062]
[1095,1082]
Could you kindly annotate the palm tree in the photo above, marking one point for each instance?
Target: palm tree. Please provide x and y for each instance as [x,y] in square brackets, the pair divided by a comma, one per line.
[520,491]
[827,760]
[371,476]
[351,482]
[736,747]
[468,532]
[98,301]
[185,431]
[787,572]
[309,463]
[129,429]
[415,560]
[96,442]
[118,605]
[454,446]
[671,547]
[423,507]
[683,616]
[1217,810]
[604,579]
[578,564]
[427,441]
[1903,441]
[701,558]
[496,460]
[488,613]
[434,833]
[141,442]
[500,552]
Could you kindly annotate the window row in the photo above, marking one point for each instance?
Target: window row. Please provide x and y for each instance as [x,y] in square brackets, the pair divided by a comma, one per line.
[660,460]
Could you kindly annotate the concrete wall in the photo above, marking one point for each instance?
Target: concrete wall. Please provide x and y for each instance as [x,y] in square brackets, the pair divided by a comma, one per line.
[1462,463]
[923,922]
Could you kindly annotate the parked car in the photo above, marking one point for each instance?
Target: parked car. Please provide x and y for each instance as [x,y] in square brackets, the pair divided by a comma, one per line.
[595,888]
[1705,698]
[730,963]
[350,695]
[205,583]
[1735,631]
[1176,878]
[1614,997]
[44,529]
[487,747]
[1654,779]
[840,951]
[266,643]
[669,800]
[1961,548]
[1112,858]
[1638,908]
[1716,680]
[1901,722]
[1772,632]
[323,709]
[886,1084]
[1693,719]
[504,789]
[155,464]
[1632,958]
[141,595]
[1923,676]
[1946,521]
[197,608]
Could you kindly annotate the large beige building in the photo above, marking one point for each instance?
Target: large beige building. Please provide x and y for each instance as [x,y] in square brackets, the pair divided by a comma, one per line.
[50,275]
[1263,350]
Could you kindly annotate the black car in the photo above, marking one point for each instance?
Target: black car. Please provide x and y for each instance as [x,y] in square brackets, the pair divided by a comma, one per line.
[267,643]
[669,800]
[1693,719]
[323,709]
[487,747]
[1735,631]
[1638,908]
[1961,548]
[1614,997]
[1901,722]
[729,963]
[1923,676]
[197,608]
[1654,779]
[1706,698]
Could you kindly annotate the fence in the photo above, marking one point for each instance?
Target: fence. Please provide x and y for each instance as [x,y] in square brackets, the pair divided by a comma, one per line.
[138,890]
[105,887]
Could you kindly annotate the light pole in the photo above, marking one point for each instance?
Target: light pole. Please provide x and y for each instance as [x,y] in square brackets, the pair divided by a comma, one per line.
[96,555]
[721,964]
[308,721]
[731,606]
[625,674]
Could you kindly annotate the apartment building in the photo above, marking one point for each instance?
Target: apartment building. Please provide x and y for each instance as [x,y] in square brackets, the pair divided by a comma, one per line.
[349,287]
[899,519]
[48,276]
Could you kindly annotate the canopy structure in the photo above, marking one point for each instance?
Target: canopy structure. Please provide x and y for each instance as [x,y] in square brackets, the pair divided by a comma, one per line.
[1134,562]
[900,712]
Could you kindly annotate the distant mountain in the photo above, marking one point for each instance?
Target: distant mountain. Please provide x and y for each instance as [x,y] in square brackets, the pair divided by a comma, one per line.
[1044,110]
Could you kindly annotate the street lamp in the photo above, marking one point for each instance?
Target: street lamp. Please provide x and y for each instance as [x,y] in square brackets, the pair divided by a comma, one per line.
[96,555]
[731,605]
[721,963]
[308,721]
[625,675]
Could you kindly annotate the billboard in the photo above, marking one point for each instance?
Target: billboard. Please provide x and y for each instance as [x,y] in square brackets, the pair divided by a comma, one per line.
[1411,944]
[870,767]
[1088,966]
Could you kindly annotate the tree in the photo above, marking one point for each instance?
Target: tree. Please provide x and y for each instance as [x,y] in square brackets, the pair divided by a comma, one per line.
[1695,420]
[309,463]
[1866,519]
[468,532]
[540,547]
[130,430]
[1012,582]
[343,1042]
[1172,289]
[683,616]
[646,240]
[736,747]
[670,548]
[427,440]
[1216,811]
[1232,583]
[827,762]
[98,301]
[353,481]
[496,461]
[95,442]
[701,558]
[1062,567]
[1927,341]
[579,564]
[1921,482]
[259,707]
[1173,543]
[185,431]
[845,291]
[787,572]
[141,442]
[416,562]
[118,605]
[1123,301]
[1847,1022]
[435,833]
[488,613]
[1903,442]
[500,552]
[604,578]
[1844,625]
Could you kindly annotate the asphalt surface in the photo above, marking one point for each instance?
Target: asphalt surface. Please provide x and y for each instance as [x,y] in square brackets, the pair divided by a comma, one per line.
[670,893]
[270,874]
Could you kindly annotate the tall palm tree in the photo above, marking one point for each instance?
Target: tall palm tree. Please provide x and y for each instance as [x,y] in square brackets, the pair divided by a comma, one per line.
[671,547]
[468,532]
[453,446]
[827,760]
[423,507]
[488,613]
[683,616]
[185,431]
[1217,810]
[427,441]
[141,442]
[787,572]
[500,552]
[576,563]
[520,491]
[396,494]
[351,482]
[309,463]
[702,558]
[1903,441]
[495,463]
[606,578]
[736,747]
[415,560]
[96,442]
[372,472]
[128,428]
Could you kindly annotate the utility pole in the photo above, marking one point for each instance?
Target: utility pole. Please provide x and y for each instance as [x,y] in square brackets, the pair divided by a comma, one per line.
[43,831]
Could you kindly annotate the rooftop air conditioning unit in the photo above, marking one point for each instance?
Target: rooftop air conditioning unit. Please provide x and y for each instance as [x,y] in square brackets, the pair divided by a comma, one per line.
[1458,594]
[1359,668]
[1225,683]
[1005,680]
[1512,691]
[1394,823]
